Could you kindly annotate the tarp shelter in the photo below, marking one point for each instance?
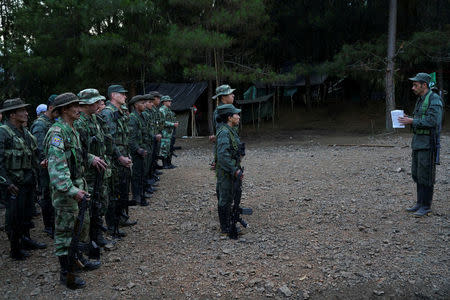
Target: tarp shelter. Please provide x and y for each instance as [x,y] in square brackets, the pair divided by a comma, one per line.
[256,109]
[184,96]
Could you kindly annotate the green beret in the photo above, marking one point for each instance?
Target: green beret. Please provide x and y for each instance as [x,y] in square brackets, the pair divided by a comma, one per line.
[135,99]
[65,99]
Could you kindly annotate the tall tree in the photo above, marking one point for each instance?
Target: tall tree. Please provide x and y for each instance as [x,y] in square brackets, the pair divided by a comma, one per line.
[390,84]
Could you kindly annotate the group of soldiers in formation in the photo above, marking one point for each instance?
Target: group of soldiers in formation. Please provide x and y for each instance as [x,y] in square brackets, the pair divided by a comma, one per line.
[81,150]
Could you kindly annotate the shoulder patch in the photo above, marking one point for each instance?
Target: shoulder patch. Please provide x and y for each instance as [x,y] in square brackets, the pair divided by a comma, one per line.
[56,141]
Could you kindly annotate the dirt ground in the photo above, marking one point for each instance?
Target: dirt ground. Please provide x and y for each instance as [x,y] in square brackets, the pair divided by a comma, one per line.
[329,222]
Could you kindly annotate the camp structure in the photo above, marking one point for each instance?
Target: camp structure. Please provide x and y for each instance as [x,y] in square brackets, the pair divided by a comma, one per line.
[184,97]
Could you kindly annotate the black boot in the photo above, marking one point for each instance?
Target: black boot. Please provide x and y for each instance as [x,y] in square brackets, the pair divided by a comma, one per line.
[16,253]
[419,200]
[224,218]
[30,244]
[87,264]
[157,172]
[427,194]
[124,222]
[172,166]
[69,279]
[144,202]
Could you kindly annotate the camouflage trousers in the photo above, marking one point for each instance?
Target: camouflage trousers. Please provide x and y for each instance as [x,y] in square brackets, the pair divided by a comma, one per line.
[64,227]
[165,147]
[423,168]
[224,188]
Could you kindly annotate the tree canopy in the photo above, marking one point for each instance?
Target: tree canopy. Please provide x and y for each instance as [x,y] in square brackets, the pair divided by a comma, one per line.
[52,46]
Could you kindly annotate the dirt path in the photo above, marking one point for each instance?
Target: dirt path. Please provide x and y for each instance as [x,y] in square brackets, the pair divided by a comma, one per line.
[328,222]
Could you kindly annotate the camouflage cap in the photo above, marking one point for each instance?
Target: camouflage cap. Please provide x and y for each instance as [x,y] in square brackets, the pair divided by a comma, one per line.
[90,96]
[116,88]
[51,99]
[135,99]
[421,77]
[223,90]
[65,99]
[166,98]
[226,109]
[13,104]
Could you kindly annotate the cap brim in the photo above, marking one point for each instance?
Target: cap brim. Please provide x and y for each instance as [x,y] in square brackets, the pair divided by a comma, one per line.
[68,103]
[413,79]
[237,111]
[14,107]
[92,100]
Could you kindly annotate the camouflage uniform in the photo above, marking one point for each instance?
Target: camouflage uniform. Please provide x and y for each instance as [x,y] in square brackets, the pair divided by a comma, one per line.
[66,168]
[116,127]
[39,129]
[18,162]
[93,141]
[226,152]
[427,118]
[168,120]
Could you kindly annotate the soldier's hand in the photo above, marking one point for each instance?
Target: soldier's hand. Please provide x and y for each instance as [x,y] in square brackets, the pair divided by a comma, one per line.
[44,164]
[158,137]
[13,189]
[405,120]
[99,164]
[212,138]
[176,124]
[125,161]
[142,152]
[79,196]
[239,174]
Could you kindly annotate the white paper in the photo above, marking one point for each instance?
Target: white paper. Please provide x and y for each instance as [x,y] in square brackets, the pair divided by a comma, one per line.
[395,114]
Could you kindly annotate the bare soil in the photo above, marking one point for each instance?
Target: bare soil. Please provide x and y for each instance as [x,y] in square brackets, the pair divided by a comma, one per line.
[329,222]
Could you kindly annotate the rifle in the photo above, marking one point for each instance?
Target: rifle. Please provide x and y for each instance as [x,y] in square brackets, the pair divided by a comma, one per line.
[73,249]
[237,211]
[436,139]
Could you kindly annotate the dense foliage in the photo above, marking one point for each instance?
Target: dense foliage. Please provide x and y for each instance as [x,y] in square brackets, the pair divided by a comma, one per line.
[51,46]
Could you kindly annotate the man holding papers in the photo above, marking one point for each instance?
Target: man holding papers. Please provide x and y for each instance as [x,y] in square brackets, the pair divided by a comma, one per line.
[427,117]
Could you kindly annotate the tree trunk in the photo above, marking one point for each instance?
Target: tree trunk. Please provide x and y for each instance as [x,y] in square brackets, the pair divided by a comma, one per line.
[390,85]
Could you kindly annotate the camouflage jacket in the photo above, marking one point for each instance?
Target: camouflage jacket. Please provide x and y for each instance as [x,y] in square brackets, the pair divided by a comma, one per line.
[150,129]
[138,133]
[217,125]
[157,119]
[227,150]
[66,164]
[93,141]
[18,155]
[426,119]
[116,122]
[39,129]
[168,119]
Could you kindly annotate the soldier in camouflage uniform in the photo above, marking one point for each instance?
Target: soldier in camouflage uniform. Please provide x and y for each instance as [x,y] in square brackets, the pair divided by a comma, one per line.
[157,125]
[67,161]
[18,165]
[138,143]
[116,123]
[39,129]
[153,139]
[425,123]
[227,166]
[170,124]
[93,139]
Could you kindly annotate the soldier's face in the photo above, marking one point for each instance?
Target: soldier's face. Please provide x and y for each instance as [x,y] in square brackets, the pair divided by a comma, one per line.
[149,104]
[140,106]
[157,101]
[119,97]
[20,115]
[92,108]
[72,112]
[234,119]
[419,88]
[1,117]
[167,103]
[228,99]
[101,105]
